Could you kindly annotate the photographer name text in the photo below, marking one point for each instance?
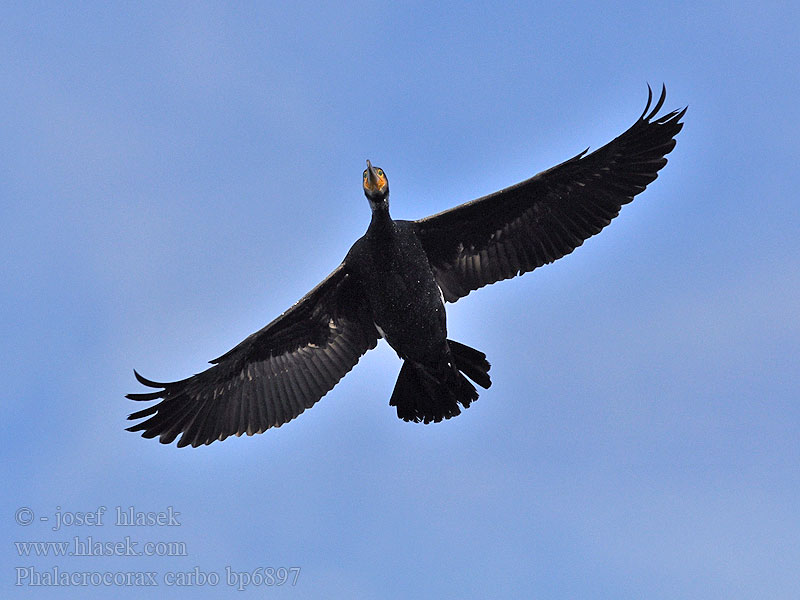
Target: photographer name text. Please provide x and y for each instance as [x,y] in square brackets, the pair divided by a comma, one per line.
[119,517]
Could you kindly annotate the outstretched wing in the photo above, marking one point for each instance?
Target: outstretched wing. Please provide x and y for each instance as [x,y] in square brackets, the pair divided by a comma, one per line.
[270,377]
[535,222]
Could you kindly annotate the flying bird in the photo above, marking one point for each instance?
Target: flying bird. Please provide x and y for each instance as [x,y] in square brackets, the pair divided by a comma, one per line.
[393,284]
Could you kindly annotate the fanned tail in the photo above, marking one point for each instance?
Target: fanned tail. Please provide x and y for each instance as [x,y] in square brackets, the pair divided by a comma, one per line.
[423,395]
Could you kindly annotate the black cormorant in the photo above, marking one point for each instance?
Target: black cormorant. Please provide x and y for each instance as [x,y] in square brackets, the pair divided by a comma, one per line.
[394,282]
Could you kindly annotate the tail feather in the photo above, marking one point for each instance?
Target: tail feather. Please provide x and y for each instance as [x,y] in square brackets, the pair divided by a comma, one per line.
[472,363]
[421,394]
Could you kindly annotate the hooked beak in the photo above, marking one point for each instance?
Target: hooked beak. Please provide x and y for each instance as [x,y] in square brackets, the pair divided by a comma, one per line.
[372,176]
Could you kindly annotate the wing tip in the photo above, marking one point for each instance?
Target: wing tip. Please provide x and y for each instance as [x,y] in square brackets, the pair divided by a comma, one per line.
[146,396]
[148,382]
[648,115]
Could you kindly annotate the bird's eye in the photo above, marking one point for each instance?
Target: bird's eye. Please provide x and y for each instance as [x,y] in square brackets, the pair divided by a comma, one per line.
[365,174]
[380,172]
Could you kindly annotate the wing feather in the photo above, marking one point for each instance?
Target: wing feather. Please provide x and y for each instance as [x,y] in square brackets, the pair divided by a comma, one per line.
[271,377]
[539,220]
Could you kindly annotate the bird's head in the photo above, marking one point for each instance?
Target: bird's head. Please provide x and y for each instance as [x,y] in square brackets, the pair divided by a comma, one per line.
[376,186]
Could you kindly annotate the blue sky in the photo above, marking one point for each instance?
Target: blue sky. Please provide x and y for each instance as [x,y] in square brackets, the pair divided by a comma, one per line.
[174,176]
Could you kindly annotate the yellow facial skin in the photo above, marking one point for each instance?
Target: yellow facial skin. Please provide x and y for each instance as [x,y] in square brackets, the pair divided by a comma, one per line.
[380,184]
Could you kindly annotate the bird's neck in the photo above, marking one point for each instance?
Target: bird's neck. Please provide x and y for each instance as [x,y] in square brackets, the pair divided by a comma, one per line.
[381,221]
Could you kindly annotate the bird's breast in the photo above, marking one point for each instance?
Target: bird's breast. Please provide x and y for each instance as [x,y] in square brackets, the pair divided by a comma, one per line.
[401,289]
